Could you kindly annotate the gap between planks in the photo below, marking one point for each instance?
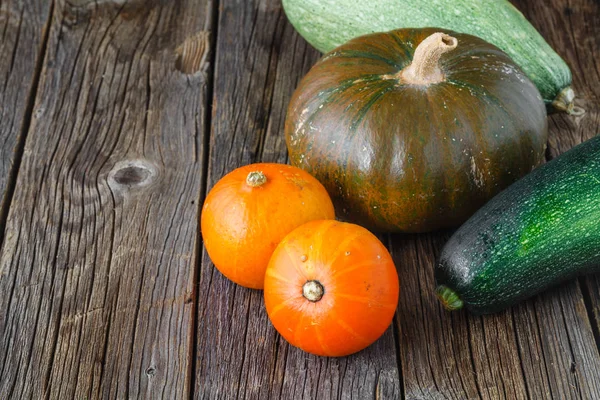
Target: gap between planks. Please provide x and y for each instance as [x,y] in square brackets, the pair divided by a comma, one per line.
[214,18]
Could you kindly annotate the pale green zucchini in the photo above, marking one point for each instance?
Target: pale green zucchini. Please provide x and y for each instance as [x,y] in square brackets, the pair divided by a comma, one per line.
[326,24]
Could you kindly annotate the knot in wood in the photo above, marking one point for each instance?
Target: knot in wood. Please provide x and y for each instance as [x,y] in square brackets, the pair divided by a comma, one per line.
[133,173]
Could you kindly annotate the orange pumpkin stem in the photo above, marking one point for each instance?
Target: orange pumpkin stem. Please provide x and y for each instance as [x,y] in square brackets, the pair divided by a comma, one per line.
[256,179]
[313,291]
[425,67]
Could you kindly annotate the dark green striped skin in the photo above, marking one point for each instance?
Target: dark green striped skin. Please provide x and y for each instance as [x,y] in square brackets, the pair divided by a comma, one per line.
[407,158]
[539,232]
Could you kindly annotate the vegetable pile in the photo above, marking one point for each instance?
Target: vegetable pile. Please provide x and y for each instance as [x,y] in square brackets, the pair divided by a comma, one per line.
[249,211]
[331,288]
[410,130]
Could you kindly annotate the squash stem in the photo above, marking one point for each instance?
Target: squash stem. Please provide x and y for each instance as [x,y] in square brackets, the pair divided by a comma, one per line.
[425,67]
[449,298]
[313,291]
[256,179]
[564,102]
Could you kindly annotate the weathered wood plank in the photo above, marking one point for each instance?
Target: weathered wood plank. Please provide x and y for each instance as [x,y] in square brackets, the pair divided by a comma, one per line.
[591,287]
[449,355]
[543,348]
[97,269]
[259,60]
[23,27]
[432,368]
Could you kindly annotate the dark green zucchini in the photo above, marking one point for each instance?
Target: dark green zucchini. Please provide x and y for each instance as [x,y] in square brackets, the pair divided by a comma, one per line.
[540,231]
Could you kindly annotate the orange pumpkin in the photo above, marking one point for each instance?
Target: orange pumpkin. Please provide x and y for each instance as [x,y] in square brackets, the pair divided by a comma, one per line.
[331,288]
[249,211]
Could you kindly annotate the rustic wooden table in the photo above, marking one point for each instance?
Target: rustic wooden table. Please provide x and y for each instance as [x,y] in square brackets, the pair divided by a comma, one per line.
[117,116]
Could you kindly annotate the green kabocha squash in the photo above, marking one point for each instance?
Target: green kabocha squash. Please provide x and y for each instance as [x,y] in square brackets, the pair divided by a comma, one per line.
[327,24]
[541,231]
[413,130]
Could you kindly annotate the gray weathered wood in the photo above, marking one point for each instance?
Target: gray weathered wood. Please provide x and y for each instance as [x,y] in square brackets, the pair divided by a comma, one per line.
[23,27]
[259,60]
[449,355]
[591,286]
[97,268]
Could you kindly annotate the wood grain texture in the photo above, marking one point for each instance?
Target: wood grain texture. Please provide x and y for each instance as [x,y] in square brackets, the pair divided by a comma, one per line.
[449,355]
[97,268]
[23,30]
[259,60]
